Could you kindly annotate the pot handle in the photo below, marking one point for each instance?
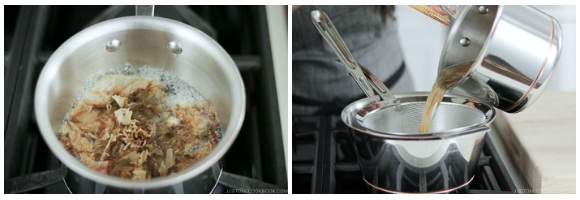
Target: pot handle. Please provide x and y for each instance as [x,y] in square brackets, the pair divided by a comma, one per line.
[144,10]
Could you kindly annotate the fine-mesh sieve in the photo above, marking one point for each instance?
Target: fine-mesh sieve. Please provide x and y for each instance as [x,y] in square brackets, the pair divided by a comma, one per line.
[406,117]
[388,119]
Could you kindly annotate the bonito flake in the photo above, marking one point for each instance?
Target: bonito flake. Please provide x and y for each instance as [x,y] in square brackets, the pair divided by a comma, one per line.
[123,127]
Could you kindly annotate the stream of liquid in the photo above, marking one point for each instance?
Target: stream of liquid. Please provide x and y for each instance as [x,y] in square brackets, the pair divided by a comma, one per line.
[447,79]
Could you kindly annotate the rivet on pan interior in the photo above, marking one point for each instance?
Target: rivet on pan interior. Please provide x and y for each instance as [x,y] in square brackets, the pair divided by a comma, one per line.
[483,10]
[113,45]
[464,41]
[174,47]
[397,105]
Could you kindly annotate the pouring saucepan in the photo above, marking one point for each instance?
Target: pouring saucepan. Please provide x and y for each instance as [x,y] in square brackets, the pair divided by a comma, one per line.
[515,49]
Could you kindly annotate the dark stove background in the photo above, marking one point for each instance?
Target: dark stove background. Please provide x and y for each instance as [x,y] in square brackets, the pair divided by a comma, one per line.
[32,33]
[333,167]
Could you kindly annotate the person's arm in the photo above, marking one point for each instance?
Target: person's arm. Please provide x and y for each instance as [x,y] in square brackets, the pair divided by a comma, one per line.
[295,7]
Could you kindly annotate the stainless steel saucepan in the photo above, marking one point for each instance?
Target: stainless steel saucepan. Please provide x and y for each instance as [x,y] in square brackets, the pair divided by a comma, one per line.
[140,40]
[515,49]
[395,158]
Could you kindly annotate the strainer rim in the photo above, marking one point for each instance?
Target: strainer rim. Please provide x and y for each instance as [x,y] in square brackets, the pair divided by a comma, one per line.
[349,117]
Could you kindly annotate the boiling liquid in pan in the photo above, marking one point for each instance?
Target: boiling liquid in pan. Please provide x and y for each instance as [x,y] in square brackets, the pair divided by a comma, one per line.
[447,79]
[140,123]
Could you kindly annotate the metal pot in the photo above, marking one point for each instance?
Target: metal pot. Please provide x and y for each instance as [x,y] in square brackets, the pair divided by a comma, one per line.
[395,158]
[139,41]
[515,49]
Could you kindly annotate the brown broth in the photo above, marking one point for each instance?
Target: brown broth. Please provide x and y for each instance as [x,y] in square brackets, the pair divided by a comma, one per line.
[447,79]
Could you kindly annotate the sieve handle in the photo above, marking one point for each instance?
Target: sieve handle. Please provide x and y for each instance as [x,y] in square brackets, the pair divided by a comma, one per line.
[331,36]
[361,75]
[376,84]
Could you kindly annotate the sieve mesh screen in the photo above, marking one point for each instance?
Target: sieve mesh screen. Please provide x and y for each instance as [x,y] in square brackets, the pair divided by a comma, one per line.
[406,118]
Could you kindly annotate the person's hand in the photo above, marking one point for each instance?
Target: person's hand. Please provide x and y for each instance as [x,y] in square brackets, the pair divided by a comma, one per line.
[440,10]
[452,10]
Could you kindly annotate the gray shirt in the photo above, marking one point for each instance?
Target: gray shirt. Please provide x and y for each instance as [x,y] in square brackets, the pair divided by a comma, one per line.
[373,43]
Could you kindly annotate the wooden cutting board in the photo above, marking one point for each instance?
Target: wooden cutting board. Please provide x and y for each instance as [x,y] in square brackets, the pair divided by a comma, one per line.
[542,142]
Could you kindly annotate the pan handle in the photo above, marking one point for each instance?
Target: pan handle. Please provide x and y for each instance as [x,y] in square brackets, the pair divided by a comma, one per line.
[361,76]
[144,10]
[327,30]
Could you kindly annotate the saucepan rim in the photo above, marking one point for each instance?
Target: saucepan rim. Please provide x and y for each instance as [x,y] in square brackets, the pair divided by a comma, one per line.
[352,113]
